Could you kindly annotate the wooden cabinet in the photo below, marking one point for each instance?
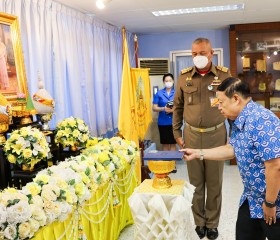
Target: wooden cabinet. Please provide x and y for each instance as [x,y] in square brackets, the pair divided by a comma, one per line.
[255,58]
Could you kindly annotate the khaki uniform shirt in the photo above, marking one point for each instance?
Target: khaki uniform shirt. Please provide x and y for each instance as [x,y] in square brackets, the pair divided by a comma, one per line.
[192,101]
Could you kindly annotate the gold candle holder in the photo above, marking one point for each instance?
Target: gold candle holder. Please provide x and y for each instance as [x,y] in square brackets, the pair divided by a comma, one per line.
[161,169]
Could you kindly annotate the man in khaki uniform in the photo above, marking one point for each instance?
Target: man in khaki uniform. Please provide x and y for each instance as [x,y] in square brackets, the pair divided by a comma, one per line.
[195,105]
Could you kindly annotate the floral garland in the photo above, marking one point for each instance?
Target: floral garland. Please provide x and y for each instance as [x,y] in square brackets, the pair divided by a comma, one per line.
[58,190]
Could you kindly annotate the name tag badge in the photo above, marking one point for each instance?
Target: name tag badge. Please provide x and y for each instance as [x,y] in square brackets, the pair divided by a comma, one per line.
[214,102]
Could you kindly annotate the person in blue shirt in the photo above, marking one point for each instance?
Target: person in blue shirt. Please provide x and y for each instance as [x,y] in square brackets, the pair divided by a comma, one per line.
[162,103]
[255,142]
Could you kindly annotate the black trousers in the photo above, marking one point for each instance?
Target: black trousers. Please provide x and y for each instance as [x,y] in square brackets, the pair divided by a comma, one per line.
[248,228]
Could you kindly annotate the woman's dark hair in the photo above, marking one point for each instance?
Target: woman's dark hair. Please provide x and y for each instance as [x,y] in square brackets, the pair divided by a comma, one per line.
[234,85]
[167,75]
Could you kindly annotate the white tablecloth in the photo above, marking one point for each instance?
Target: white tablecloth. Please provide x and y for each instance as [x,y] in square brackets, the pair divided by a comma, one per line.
[162,214]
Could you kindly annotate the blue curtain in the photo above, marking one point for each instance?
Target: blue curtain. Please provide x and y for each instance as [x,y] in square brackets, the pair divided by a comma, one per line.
[78,57]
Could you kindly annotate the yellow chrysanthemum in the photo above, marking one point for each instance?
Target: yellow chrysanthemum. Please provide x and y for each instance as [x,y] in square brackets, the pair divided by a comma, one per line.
[92,142]
[24,132]
[80,189]
[67,132]
[12,158]
[69,197]
[79,121]
[103,157]
[84,137]
[72,123]
[27,153]
[17,148]
[76,133]
[34,188]
[42,178]
[11,190]
[85,178]
[14,136]
[63,124]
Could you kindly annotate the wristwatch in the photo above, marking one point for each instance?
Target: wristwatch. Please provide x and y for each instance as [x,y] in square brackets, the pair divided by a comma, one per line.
[269,204]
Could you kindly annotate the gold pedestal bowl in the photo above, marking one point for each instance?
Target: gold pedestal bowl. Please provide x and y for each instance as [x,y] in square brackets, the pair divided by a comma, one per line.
[19,110]
[161,169]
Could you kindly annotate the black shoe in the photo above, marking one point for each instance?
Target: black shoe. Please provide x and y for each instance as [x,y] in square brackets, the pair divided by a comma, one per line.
[212,233]
[201,231]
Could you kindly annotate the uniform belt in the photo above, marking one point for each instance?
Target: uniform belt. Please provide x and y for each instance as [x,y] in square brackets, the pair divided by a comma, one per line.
[203,130]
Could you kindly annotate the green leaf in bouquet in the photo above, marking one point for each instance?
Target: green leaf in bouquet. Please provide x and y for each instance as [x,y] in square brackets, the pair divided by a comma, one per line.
[106,163]
[99,179]
[13,202]
[87,172]
[71,182]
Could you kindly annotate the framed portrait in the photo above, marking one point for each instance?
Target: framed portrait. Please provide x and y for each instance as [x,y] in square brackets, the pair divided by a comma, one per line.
[261,45]
[246,46]
[12,71]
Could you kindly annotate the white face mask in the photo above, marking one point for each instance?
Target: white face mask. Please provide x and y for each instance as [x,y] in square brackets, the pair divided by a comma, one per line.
[200,61]
[168,84]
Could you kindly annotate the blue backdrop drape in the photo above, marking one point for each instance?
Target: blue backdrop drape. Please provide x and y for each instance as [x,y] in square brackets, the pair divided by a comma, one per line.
[78,57]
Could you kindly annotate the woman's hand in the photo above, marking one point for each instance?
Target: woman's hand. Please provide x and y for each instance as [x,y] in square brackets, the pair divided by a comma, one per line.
[168,110]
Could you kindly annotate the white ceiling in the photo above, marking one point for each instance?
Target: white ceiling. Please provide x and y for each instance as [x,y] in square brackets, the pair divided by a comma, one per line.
[136,15]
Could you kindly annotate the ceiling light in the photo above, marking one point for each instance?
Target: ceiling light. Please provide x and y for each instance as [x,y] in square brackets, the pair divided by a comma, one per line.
[100,4]
[233,7]
[275,52]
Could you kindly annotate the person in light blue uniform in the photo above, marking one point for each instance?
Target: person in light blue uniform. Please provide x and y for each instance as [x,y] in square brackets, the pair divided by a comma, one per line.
[255,142]
[163,103]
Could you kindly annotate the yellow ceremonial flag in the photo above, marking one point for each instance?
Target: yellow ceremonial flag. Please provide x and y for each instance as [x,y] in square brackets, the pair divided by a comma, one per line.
[140,78]
[127,124]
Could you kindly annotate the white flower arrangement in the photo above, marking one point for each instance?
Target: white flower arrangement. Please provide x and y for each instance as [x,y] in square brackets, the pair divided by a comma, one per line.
[26,146]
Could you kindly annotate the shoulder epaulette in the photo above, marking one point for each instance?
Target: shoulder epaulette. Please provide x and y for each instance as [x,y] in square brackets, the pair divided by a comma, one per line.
[186,70]
[222,68]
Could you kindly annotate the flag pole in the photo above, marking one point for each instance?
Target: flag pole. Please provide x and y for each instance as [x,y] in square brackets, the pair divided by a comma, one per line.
[136,50]
[123,36]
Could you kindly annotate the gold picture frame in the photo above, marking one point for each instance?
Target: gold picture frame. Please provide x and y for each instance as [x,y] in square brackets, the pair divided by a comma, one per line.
[12,76]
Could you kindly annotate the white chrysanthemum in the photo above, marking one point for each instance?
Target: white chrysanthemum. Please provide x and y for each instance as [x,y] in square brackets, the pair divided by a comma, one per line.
[37,201]
[24,230]
[38,214]
[34,227]
[18,213]
[111,167]
[10,232]
[3,214]
[66,209]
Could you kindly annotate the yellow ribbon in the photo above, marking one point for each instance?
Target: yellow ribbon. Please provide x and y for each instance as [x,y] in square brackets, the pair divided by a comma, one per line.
[48,102]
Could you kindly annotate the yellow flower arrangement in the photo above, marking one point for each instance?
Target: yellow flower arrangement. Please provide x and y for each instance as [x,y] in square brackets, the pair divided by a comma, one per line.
[26,146]
[72,131]
[114,154]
